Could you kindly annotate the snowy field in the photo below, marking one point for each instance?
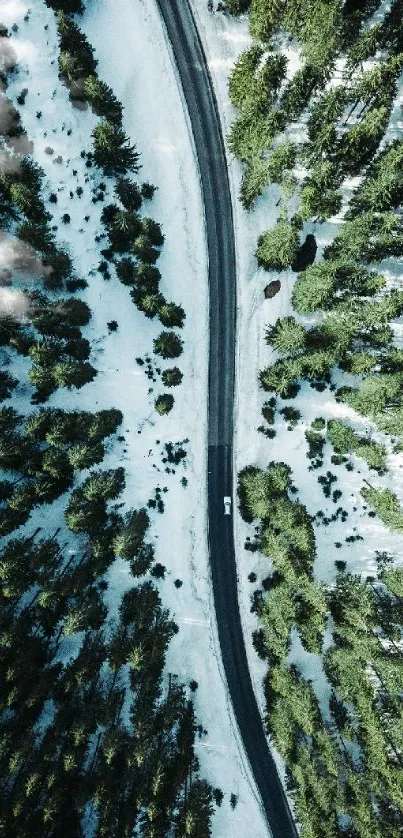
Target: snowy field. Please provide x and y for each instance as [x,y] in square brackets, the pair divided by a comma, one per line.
[134,59]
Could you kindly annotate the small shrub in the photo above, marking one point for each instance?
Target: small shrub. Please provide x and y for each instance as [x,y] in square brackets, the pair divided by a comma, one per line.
[158,571]
[268,410]
[340,565]
[22,96]
[318,424]
[315,444]
[147,191]
[175,452]
[269,432]
[326,481]
[218,796]
[291,415]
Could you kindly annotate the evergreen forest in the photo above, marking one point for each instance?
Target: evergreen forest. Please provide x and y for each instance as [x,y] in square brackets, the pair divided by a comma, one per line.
[96,737]
[323,138]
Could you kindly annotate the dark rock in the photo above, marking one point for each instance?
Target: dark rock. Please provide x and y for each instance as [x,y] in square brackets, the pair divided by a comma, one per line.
[305,254]
[272,289]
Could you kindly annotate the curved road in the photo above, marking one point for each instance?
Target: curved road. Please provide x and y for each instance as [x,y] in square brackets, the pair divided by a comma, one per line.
[204,117]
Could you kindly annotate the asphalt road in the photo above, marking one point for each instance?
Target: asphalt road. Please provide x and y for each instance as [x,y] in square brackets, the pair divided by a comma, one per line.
[205,121]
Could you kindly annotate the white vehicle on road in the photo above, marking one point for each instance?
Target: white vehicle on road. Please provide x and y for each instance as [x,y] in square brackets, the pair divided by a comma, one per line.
[227,505]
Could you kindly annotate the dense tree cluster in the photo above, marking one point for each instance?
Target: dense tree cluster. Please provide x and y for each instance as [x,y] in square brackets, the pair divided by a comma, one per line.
[92,729]
[346,441]
[346,122]
[36,249]
[386,505]
[343,756]
[46,330]
[286,536]
[92,739]
[43,452]
[353,329]
[134,241]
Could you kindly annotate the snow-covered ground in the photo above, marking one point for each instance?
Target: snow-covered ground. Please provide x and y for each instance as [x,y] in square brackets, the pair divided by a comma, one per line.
[134,59]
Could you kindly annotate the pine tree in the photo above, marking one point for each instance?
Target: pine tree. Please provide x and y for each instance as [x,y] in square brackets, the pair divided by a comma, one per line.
[277,615]
[168,345]
[287,336]
[282,377]
[382,188]
[194,817]
[28,201]
[241,83]
[102,100]
[172,377]
[357,146]
[112,151]
[373,395]
[126,271]
[318,285]
[86,511]
[68,6]
[346,441]
[299,89]
[150,304]
[144,250]
[164,403]
[73,373]
[73,41]
[70,69]
[153,230]
[130,539]
[386,505]
[129,194]
[171,315]
[318,27]
[254,180]
[277,248]
[264,17]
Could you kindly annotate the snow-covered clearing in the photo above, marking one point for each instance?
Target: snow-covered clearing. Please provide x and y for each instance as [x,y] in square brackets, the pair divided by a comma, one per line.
[134,59]
[224,38]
